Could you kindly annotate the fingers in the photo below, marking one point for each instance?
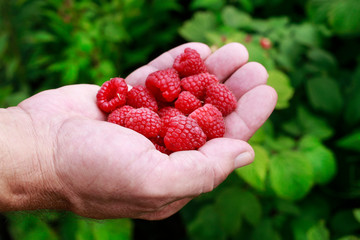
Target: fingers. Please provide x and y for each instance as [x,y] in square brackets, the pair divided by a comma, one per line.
[226,60]
[247,77]
[164,61]
[190,173]
[252,110]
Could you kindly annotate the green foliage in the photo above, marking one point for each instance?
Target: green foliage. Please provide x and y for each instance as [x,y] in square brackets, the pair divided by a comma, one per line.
[304,180]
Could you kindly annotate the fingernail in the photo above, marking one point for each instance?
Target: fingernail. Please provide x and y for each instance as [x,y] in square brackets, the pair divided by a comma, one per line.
[243,159]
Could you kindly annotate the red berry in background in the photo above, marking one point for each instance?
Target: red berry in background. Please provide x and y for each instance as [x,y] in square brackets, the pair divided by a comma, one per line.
[210,120]
[118,115]
[265,43]
[248,38]
[112,94]
[197,84]
[165,115]
[187,102]
[143,121]
[164,84]
[139,96]
[189,63]
[221,97]
[184,133]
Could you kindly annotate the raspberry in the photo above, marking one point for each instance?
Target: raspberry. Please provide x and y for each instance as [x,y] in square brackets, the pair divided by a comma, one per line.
[164,84]
[197,84]
[265,43]
[189,63]
[112,94]
[221,97]
[184,134]
[187,102]
[118,115]
[140,96]
[166,114]
[210,120]
[160,145]
[144,121]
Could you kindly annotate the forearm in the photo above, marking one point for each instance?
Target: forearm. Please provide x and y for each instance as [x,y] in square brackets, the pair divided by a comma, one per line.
[27,181]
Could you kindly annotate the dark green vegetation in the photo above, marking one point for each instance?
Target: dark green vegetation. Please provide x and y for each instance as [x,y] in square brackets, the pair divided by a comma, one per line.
[305,181]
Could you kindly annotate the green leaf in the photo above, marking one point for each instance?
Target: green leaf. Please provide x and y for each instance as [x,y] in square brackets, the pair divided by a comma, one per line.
[352,110]
[344,222]
[255,173]
[207,4]
[312,124]
[344,16]
[265,230]
[228,206]
[322,59]
[356,213]
[349,238]
[234,18]
[318,232]
[324,94]
[281,83]
[322,159]
[307,34]
[196,28]
[30,227]
[206,225]
[3,43]
[114,229]
[351,141]
[291,175]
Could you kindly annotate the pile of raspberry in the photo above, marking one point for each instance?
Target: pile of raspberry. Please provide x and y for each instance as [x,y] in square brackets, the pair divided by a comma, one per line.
[179,108]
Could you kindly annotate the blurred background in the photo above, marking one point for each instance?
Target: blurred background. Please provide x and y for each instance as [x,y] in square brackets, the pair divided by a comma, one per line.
[305,181]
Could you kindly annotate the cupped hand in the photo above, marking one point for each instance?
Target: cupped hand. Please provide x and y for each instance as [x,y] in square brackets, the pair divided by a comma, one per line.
[108,171]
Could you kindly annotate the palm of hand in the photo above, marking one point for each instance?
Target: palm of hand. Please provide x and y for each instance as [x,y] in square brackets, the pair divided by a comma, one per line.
[108,171]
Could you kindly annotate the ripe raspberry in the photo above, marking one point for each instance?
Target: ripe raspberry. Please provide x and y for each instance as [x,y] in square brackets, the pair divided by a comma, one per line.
[221,97]
[140,96]
[189,63]
[112,94]
[144,121]
[118,115]
[197,84]
[184,134]
[166,114]
[187,102]
[160,145]
[164,84]
[265,43]
[210,120]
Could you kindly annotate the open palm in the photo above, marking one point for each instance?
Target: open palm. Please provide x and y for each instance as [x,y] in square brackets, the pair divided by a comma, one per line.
[107,171]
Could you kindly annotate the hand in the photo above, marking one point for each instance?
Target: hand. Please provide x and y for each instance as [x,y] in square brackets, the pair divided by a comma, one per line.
[101,170]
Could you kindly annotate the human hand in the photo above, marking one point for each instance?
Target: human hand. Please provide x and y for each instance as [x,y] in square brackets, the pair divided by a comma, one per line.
[101,170]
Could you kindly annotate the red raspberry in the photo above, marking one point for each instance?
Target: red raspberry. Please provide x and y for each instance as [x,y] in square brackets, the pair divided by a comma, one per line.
[189,63]
[197,84]
[144,121]
[166,114]
[164,84]
[160,145]
[187,102]
[112,94]
[265,43]
[210,120]
[221,97]
[184,134]
[140,96]
[118,115]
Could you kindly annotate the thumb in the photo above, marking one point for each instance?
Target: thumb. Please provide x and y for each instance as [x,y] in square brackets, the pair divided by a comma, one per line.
[190,173]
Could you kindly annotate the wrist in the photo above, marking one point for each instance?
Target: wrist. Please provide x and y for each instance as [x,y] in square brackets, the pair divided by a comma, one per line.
[27,180]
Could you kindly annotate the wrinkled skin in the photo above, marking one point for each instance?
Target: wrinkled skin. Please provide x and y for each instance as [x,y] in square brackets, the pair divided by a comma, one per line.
[101,170]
